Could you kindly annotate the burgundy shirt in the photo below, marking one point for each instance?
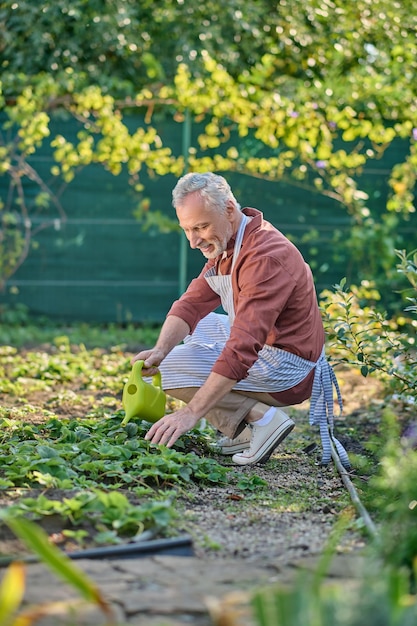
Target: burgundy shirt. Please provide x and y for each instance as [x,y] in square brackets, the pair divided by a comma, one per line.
[274,300]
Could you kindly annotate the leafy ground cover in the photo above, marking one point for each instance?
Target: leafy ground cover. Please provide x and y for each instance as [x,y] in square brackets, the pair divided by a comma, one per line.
[69,464]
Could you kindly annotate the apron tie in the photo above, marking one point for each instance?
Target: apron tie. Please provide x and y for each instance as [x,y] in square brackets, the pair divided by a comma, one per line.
[321,409]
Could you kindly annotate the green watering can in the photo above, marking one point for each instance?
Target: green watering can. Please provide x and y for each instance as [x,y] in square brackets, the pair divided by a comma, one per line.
[141,399]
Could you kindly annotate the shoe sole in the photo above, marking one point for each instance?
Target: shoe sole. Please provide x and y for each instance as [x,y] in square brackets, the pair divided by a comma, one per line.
[233,450]
[267,449]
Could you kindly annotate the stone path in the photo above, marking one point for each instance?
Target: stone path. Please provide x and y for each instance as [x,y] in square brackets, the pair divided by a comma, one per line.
[172,590]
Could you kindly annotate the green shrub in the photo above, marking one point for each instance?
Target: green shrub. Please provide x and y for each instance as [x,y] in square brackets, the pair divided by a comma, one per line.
[394,494]
[361,336]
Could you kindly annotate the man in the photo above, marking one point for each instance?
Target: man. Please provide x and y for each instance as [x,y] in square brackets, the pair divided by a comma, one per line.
[237,370]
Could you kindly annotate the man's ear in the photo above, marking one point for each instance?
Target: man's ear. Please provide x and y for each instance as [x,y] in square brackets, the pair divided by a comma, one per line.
[230,209]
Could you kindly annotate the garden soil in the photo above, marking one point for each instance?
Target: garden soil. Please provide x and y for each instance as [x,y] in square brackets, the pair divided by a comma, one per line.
[238,544]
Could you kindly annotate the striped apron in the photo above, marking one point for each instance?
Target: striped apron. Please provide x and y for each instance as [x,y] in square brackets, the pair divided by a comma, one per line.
[275,369]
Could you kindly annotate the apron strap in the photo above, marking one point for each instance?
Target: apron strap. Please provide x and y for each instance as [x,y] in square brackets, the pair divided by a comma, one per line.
[321,409]
[239,238]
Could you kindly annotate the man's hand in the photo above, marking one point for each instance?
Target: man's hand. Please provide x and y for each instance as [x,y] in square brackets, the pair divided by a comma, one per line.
[168,429]
[151,359]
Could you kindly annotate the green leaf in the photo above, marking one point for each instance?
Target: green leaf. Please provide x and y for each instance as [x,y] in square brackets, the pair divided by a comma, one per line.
[46,452]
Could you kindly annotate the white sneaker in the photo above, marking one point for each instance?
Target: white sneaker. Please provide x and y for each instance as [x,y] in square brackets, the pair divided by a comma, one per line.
[265,439]
[225,445]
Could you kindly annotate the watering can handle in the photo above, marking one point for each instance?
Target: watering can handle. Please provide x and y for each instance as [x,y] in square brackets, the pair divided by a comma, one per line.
[156,378]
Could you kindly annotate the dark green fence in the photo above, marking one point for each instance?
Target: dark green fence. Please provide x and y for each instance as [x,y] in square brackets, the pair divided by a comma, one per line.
[100,265]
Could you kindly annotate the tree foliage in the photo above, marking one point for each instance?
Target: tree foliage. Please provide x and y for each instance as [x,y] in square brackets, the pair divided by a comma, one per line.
[309,92]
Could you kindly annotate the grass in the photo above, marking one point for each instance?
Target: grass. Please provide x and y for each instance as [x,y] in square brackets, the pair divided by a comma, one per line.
[22,331]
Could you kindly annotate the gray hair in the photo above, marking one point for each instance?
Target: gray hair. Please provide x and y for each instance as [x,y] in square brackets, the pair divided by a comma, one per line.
[213,189]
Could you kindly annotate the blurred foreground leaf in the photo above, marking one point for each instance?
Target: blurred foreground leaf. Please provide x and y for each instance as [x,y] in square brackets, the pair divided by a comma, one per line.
[37,541]
[11,592]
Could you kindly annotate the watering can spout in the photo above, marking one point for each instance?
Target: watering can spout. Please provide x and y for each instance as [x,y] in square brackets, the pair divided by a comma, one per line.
[142,399]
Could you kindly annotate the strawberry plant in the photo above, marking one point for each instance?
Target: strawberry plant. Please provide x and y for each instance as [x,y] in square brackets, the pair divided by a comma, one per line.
[114,476]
